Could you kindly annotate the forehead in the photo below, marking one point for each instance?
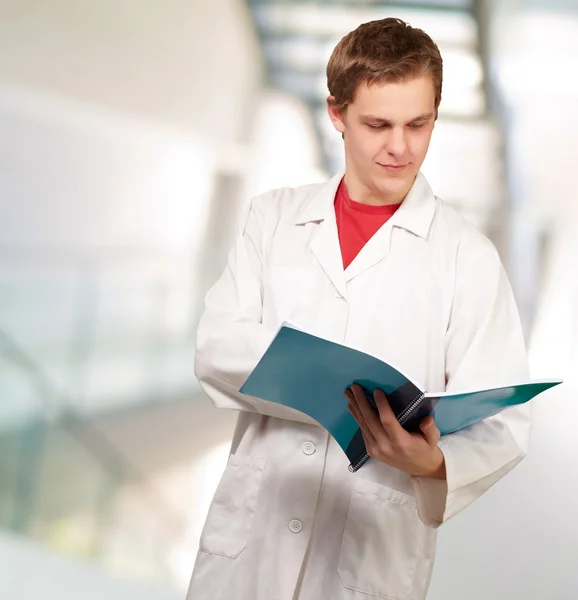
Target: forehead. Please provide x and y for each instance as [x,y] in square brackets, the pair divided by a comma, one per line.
[400,98]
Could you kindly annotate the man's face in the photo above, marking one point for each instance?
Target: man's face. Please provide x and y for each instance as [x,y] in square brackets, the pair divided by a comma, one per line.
[387,131]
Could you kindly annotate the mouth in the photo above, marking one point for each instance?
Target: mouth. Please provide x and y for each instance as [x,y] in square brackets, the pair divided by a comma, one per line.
[393,168]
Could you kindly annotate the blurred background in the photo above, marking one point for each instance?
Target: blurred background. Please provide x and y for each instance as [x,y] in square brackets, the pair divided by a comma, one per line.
[132,135]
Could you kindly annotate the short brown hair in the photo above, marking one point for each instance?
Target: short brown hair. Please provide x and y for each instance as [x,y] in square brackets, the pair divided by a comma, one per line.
[388,50]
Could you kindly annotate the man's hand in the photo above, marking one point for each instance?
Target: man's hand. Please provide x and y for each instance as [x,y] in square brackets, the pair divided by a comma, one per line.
[386,440]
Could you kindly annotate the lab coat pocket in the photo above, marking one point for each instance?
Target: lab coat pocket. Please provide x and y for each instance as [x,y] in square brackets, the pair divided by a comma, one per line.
[228,523]
[382,542]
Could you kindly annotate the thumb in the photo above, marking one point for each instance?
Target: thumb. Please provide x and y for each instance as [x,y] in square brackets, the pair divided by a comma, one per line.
[430,431]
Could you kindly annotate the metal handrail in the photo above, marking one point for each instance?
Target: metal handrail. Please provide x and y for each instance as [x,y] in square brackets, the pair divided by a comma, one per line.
[87,435]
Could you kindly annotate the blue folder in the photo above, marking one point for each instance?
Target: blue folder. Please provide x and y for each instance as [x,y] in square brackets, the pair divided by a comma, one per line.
[310,374]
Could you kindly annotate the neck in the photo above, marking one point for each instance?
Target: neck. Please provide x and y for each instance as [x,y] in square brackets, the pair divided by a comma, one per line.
[363,194]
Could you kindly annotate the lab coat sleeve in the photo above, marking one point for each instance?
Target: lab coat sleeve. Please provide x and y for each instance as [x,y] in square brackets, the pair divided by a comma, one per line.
[231,338]
[484,346]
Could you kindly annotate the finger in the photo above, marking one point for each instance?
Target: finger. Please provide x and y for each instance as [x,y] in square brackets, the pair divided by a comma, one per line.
[351,403]
[357,415]
[366,410]
[387,416]
[369,442]
[368,437]
[353,412]
[430,431]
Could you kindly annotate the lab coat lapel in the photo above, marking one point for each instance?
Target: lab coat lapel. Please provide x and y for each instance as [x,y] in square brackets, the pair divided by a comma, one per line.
[374,251]
[326,249]
[414,215]
[324,244]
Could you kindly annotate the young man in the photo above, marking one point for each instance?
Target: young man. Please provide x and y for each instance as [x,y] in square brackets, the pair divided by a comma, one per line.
[371,259]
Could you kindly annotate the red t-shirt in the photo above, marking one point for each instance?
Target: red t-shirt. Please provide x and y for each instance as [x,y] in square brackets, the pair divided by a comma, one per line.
[357,223]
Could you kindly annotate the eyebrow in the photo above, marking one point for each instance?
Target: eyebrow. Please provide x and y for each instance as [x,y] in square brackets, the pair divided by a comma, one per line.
[422,117]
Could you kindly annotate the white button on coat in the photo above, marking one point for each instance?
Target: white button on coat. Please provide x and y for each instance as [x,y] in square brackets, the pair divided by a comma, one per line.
[427,293]
[295,526]
[308,448]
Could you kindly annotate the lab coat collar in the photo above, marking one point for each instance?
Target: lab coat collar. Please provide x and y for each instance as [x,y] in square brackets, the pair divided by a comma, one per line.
[320,206]
[415,214]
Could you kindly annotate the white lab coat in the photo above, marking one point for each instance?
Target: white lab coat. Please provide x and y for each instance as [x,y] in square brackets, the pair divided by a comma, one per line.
[428,293]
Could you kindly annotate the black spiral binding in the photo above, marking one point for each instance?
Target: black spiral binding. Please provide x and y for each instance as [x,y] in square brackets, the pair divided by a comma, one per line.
[354,466]
[403,417]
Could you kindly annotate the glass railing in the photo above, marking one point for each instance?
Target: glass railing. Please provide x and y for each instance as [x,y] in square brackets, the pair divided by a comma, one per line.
[63,484]
[76,343]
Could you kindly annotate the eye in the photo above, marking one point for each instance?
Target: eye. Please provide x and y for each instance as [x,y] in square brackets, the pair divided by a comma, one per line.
[377,126]
[417,125]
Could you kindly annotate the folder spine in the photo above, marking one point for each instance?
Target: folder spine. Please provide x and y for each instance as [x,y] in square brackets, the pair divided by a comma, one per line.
[354,466]
[415,402]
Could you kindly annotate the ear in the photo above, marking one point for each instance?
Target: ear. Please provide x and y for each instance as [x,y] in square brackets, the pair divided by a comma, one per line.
[335,114]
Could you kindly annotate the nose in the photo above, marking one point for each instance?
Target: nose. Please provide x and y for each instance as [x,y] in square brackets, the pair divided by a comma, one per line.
[395,143]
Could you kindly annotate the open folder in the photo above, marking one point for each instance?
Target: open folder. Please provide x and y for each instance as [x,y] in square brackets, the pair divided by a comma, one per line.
[310,374]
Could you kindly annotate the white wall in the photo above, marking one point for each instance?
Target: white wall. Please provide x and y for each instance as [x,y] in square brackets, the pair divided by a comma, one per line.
[287,152]
[29,571]
[192,63]
[463,167]
[115,119]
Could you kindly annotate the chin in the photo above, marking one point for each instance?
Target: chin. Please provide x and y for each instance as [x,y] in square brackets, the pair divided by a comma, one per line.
[394,186]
